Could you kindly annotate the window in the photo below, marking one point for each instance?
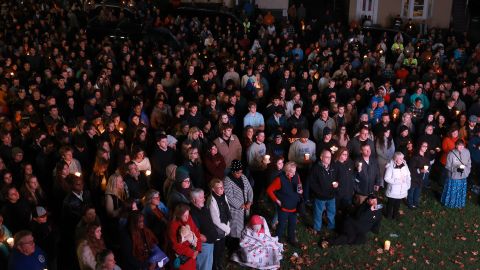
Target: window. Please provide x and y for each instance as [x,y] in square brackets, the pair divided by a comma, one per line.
[417,9]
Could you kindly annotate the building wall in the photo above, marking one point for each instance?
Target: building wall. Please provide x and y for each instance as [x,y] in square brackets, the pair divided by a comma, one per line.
[352,10]
[388,9]
[441,15]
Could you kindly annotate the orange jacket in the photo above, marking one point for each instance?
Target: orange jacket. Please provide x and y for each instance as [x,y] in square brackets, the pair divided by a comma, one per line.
[448,144]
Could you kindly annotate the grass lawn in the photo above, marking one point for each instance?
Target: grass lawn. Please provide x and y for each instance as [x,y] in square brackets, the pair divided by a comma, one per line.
[428,238]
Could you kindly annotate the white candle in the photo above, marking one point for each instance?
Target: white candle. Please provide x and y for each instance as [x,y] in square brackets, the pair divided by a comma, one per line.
[78,174]
[266,158]
[307,156]
[387,245]
[148,172]
[10,241]
[462,166]
[425,168]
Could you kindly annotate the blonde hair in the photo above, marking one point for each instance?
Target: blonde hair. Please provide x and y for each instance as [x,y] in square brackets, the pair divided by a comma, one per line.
[192,131]
[112,186]
[289,165]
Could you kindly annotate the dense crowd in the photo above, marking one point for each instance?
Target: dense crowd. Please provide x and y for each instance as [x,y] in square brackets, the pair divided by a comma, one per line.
[122,153]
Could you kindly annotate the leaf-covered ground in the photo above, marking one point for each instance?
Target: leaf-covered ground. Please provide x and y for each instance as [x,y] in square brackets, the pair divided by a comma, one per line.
[428,238]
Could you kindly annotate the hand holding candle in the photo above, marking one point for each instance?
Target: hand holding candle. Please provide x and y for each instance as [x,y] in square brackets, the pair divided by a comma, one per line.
[359,166]
[10,242]
[266,159]
[306,156]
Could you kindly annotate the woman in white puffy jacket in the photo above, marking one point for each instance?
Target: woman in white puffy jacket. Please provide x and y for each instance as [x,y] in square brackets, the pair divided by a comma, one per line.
[397,177]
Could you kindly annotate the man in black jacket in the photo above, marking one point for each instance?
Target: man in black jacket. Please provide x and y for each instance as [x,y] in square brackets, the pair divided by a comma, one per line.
[213,244]
[354,232]
[367,177]
[323,184]
[136,181]
[161,158]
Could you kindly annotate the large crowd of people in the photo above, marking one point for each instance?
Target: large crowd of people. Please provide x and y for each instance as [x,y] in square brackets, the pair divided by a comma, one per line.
[119,153]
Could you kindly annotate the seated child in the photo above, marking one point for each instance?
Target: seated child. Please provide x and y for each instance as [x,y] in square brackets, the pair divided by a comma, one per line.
[258,249]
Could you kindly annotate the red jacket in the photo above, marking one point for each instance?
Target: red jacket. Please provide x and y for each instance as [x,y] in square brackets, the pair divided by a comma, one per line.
[184,248]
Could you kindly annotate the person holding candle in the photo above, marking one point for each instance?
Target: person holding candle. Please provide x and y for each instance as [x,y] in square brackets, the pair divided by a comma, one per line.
[257,163]
[367,175]
[302,152]
[136,182]
[323,184]
[419,166]
[286,191]
[434,143]
[398,179]
[5,242]
[448,144]
[458,168]
[25,254]
[345,172]
[367,218]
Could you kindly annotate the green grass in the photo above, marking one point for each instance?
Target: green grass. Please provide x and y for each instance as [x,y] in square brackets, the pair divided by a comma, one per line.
[428,238]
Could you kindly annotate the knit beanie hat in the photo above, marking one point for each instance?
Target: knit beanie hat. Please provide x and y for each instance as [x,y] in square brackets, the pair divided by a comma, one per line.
[181,174]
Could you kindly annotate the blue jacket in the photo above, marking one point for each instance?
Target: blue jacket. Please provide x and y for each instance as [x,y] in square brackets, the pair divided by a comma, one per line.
[19,261]
[288,192]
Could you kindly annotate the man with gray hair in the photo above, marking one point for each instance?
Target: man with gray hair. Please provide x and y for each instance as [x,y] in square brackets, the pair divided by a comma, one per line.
[208,233]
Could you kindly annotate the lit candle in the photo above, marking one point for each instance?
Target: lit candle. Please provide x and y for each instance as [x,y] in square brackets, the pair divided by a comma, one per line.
[266,158]
[335,184]
[462,167]
[78,174]
[10,241]
[148,172]
[425,167]
[120,130]
[307,156]
[386,245]
[457,112]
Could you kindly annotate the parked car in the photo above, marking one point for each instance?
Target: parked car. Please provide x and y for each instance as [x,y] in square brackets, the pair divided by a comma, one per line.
[113,19]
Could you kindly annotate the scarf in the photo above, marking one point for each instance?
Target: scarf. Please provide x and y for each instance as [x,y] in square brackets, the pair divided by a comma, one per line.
[223,209]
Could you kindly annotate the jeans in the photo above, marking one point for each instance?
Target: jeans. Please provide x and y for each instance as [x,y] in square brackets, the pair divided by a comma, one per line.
[426,179]
[414,196]
[205,258]
[319,207]
[283,218]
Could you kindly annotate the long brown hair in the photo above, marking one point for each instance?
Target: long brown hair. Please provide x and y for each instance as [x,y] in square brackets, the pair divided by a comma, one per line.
[143,239]
[339,152]
[96,245]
